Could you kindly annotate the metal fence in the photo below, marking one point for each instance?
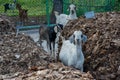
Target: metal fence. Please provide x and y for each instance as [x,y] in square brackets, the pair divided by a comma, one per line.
[39,10]
[90,5]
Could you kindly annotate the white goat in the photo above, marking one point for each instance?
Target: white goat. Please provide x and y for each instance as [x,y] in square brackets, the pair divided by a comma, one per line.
[71,52]
[63,18]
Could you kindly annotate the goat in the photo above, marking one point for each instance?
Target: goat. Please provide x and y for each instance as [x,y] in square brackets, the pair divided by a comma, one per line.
[9,6]
[63,18]
[71,51]
[22,13]
[49,34]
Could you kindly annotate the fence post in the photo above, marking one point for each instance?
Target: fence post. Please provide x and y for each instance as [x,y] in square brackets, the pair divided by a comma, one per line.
[57,6]
[47,12]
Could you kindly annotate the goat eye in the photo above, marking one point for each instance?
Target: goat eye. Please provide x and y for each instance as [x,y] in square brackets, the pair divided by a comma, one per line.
[81,36]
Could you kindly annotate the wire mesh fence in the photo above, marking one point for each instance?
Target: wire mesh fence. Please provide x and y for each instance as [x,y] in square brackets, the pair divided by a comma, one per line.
[39,10]
[90,5]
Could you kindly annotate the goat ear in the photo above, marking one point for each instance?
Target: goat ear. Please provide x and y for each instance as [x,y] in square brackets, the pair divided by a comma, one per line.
[60,26]
[68,9]
[76,8]
[56,12]
[84,38]
[55,29]
[72,38]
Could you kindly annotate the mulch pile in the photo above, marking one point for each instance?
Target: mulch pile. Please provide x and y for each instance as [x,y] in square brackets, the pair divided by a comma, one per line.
[102,49]
[6,25]
[18,53]
[22,59]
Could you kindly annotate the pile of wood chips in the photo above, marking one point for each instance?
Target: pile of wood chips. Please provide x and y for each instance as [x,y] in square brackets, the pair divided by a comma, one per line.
[6,25]
[102,49]
[22,59]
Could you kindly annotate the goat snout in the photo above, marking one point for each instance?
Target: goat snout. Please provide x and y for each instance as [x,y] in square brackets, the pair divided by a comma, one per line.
[77,41]
[72,11]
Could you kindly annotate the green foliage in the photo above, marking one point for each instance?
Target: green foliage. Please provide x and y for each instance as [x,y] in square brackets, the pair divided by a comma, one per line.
[35,7]
[38,7]
[90,5]
[117,5]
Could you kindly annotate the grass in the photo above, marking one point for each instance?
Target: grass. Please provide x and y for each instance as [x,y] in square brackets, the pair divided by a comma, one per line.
[38,7]
[90,5]
[35,7]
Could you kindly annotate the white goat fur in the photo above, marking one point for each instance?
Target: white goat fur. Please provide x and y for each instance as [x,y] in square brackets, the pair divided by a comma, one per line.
[64,18]
[71,53]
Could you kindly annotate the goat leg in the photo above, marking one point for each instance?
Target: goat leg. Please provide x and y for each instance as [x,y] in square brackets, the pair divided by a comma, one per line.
[50,49]
[54,52]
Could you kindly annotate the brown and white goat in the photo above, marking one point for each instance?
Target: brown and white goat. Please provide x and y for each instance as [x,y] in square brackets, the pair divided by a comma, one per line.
[23,15]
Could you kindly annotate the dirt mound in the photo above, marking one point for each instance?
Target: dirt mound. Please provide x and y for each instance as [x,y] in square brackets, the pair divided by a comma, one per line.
[22,59]
[6,25]
[18,53]
[102,49]
[54,71]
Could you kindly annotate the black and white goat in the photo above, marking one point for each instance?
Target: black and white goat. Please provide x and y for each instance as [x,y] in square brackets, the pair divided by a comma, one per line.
[64,18]
[23,15]
[49,34]
[9,6]
[71,51]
